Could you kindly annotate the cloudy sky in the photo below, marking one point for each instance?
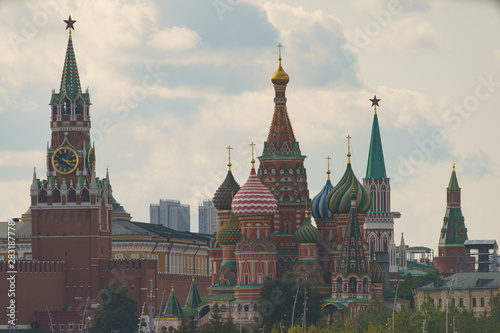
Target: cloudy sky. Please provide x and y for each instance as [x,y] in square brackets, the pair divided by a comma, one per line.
[175,82]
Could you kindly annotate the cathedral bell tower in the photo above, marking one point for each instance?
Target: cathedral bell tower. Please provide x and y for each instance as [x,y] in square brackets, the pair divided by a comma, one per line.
[71,208]
[283,173]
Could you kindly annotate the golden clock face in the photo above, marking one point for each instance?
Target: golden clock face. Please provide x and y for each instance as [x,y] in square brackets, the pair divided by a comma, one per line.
[91,160]
[65,160]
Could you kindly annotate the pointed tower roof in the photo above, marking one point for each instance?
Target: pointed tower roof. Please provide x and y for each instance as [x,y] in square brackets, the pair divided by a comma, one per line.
[70,81]
[453,180]
[193,297]
[453,231]
[352,254]
[173,308]
[34,182]
[281,139]
[376,165]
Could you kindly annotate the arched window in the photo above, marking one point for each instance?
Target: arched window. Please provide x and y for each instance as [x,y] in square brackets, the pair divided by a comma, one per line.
[280,264]
[56,196]
[339,284]
[42,196]
[287,228]
[365,286]
[66,107]
[353,285]
[79,107]
[71,195]
[223,308]
[289,264]
[85,195]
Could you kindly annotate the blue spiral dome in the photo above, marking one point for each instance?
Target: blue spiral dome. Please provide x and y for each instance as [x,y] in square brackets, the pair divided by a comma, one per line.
[319,205]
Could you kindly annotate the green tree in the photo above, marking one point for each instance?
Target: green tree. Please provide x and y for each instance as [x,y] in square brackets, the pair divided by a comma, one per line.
[491,321]
[216,324]
[410,282]
[375,314]
[188,324]
[278,299]
[117,311]
[228,326]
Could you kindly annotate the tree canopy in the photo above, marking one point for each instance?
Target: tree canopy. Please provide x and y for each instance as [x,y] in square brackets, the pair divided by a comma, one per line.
[116,312]
[277,302]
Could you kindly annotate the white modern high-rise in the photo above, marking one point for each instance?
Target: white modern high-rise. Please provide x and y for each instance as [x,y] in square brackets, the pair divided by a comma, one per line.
[171,214]
[207,218]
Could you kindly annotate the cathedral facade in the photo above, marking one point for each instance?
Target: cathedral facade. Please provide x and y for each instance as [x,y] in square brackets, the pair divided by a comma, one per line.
[265,229]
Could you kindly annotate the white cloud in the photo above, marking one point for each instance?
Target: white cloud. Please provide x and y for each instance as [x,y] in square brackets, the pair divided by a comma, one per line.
[17,158]
[174,39]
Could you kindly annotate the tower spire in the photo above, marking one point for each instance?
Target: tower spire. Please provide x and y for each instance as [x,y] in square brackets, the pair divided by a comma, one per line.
[281,139]
[376,166]
[70,81]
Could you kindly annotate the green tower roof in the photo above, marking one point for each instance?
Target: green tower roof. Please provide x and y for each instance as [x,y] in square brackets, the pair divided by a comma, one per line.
[352,254]
[70,81]
[453,231]
[193,298]
[453,180]
[376,166]
[173,308]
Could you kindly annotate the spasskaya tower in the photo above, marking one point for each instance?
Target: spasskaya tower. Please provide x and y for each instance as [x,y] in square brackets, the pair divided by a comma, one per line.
[71,207]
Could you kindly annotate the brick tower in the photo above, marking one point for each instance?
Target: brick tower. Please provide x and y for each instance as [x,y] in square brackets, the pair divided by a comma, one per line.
[282,172]
[379,224]
[71,208]
[452,255]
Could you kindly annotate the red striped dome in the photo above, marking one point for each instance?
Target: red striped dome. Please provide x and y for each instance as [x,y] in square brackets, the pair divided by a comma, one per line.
[254,199]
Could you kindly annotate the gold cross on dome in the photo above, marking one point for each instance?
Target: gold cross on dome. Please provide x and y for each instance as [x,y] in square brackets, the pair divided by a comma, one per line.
[328,158]
[253,160]
[279,50]
[229,163]
[348,137]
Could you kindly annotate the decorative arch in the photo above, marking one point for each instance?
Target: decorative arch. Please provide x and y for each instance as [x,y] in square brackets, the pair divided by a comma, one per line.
[85,195]
[42,196]
[71,195]
[365,286]
[339,284]
[353,285]
[56,196]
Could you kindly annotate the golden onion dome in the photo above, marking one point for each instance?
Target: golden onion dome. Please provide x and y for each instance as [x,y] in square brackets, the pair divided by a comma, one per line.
[280,77]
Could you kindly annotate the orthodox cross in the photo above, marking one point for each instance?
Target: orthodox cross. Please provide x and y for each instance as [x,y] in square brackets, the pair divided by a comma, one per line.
[253,160]
[229,164]
[279,50]
[328,158]
[348,137]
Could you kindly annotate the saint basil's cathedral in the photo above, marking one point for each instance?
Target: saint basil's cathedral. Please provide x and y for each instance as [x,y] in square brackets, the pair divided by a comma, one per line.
[265,229]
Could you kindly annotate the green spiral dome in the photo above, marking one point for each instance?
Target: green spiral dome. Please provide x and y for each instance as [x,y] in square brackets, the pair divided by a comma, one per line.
[378,274]
[339,199]
[306,233]
[230,232]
